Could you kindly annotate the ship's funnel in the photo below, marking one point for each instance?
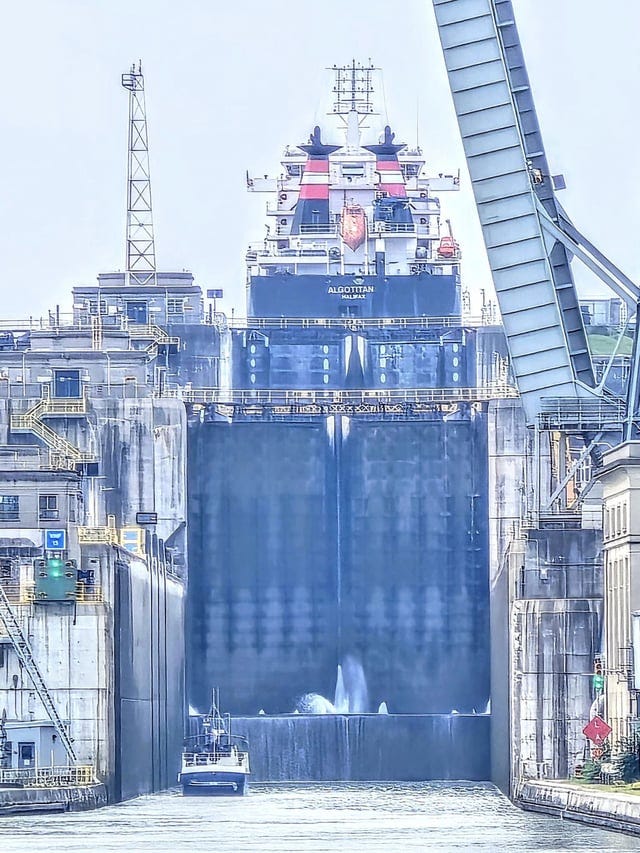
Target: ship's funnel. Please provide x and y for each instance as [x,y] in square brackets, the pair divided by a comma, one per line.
[312,209]
[389,173]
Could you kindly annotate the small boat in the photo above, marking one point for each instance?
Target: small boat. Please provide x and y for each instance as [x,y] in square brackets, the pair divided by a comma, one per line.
[214,761]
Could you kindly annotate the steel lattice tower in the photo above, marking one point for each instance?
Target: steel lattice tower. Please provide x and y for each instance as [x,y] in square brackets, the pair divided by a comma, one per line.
[141,251]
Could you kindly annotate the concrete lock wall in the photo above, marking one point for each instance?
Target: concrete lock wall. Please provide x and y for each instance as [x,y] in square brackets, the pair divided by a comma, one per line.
[313,542]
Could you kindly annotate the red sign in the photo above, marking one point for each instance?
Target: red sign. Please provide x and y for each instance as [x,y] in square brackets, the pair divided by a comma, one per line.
[597,730]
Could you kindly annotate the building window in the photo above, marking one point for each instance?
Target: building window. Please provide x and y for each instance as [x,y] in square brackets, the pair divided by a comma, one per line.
[624,517]
[175,305]
[66,383]
[93,307]
[605,523]
[618,523]
[9,508]
[48,508]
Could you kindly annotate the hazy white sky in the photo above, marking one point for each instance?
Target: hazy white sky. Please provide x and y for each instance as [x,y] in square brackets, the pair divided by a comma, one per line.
[230,84]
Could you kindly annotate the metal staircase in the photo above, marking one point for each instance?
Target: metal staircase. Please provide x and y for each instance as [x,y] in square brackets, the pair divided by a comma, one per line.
[25,655]
[63,452]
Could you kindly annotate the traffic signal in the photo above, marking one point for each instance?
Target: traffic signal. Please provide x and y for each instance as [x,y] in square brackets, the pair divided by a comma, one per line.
[598,676]
[56,579]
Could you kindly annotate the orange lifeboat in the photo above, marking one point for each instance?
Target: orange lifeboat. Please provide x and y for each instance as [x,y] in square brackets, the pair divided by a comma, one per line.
[448,247]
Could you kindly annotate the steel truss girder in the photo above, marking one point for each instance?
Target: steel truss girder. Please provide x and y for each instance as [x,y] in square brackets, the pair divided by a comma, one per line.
[140,249]
[510,178]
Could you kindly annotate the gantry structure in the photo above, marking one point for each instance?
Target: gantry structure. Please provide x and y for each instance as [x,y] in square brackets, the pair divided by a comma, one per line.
[529,237]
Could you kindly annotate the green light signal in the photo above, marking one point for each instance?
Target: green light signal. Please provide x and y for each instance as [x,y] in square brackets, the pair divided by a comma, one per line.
[598,683]
[55,567]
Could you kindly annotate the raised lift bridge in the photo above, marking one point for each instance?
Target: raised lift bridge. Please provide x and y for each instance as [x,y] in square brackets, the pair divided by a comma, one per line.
[527,234]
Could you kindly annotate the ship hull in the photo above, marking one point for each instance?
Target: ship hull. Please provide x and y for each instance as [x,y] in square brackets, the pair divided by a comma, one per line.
[211,783]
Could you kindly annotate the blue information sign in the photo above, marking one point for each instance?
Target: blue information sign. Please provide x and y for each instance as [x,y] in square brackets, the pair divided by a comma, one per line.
[55,540]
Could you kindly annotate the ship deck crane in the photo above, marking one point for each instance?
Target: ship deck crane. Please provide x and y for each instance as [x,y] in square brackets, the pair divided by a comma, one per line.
[528,236]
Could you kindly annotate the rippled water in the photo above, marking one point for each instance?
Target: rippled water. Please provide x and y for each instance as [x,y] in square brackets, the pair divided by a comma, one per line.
[342,818]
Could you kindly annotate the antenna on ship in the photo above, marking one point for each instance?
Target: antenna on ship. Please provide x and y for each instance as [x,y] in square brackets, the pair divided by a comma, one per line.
[141,251]
[352,97]
[353,88]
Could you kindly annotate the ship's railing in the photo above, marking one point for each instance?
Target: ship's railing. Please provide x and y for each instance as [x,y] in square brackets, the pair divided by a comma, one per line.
[272,396]
[318,228]
[355,323]
[392,227]
[49,777]
[199,759]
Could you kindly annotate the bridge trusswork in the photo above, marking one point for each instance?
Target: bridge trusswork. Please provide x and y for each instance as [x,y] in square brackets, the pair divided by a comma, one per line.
[512,188]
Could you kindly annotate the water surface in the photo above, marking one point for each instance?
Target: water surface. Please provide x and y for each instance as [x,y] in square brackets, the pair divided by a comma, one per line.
[340,818]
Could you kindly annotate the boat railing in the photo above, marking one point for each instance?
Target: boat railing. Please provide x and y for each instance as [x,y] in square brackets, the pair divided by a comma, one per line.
[201,759]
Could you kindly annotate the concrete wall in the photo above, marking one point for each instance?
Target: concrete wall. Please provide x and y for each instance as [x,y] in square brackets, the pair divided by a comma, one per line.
[507,438]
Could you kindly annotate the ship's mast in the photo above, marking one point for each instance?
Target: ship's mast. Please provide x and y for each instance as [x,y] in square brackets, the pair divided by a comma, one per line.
[353,90]
[140,251]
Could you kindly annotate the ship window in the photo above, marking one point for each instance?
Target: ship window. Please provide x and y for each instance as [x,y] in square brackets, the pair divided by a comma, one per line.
[315,217]
[456,362]
[252,362]
[325,379]
[252,348]
[253,378]
[9,508]
[383,349]
[355,170]
[325,349]
[456,377]
[325,364]
[48,508]
[383,378]
[455,347]
[294,169]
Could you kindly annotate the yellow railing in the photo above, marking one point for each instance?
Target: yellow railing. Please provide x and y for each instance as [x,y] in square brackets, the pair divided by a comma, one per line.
[97,536]
[156,333]
[89,594]
[19,593]
[50,777]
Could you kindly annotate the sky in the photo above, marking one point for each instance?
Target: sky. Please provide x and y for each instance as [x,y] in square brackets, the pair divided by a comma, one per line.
[229,84]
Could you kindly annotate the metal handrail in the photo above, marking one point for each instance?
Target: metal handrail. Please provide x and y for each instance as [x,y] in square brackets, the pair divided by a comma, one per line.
[89,593]
[354,397]
[352,323]
[19,593]
[97,536]
[80,775]
[195,759]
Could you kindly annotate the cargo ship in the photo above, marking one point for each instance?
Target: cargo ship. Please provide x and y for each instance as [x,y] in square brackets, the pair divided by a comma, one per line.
[355,225]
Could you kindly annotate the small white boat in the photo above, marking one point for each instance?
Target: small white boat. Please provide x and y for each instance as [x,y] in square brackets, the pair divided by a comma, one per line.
[214,762]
